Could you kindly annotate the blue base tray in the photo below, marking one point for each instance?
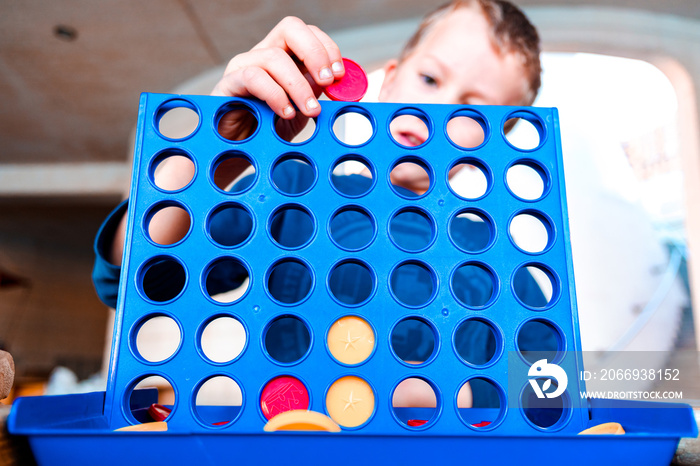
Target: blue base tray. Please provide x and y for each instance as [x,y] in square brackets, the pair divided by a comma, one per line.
[72,429]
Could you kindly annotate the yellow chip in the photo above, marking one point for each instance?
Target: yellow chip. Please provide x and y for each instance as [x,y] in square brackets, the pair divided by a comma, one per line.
[160,426]
[613,428]
[301,420]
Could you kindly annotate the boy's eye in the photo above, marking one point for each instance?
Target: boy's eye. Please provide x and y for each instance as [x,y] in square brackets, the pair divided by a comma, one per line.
[429,80]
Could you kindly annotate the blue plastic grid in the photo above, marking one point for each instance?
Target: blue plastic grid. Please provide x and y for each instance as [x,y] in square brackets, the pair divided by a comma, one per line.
[445,370]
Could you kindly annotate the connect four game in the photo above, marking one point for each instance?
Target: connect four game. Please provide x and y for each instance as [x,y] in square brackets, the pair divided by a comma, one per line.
[319,307]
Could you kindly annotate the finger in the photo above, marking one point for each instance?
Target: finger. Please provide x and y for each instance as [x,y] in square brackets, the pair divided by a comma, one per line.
[333,52]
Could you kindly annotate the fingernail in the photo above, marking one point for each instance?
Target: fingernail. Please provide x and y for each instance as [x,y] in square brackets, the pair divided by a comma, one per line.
[311,104]
[288,110]
[325,73]
[337,67]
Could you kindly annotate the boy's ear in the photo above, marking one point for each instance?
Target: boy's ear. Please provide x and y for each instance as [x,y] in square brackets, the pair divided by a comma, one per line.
[389,75]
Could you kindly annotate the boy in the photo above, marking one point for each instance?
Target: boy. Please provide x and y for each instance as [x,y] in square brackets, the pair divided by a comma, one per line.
[466,52]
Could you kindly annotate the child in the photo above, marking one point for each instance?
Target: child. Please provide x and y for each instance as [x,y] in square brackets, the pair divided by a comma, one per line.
[466,52]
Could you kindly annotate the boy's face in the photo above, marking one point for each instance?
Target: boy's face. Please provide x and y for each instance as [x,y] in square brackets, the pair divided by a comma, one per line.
[455,63]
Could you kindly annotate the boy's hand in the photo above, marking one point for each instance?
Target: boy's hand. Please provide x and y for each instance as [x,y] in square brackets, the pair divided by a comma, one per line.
[286,69]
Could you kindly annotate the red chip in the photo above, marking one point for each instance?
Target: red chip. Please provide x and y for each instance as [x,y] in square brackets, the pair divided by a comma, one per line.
[352,86]
[283,394]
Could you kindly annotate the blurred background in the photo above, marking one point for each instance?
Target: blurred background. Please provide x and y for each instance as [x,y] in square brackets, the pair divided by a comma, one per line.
[623,74]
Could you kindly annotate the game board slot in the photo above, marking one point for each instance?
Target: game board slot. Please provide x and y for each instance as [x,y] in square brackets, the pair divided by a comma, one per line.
[161,279]
[472,230]
[415,341]
[287,339]
[351,340]
[289,281]
[474,284]
[283,393]
[233,172]
[217,401]
[413,283]
[156,337]
[236,121]
[230,224]
[353,125]
[531,231]
[353,176]
[222,339]
[481,403]
[291,226]
[542,412]
[350,402]
[478,341]
[523,130]
[469,178]
[351,282]
[290,132]
[467,129]
[149,398]
[528,180]
[293,174]
[410,127]
[416,402]
[167,212]
[546,281]
[226,280]
[176,119]
[352,228]
[540,338]
[405,171]
[171,159]
[412,229]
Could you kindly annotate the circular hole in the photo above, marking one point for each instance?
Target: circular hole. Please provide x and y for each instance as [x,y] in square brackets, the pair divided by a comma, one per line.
[157,338]
[151,399]
[414,402]
[544,413]
[235,121]
[352,176]
[291,226]
[230,225]
[530,231]
[351,340]
[474,285]
[282,394]
[466,129]
[410,128]
[175,216]
[226,280]
[353,126]
[351,282]
[293,174]
[172,170]
[527,180]
[412,229]
[223,339]
[535,286]
[410,177]
[524,131]
[287,339]
[289,281]
[477,342]
[352,228]
[177,119]
[233,172]
[350,401]
[218,401]
[481,403]
[295,131]
[414,341]
[539,339]
[469,179]
[472,230]
[162,279]
[413,283]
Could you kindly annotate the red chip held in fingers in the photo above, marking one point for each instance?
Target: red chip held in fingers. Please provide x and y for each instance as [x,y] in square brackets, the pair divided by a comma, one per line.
[352,86]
